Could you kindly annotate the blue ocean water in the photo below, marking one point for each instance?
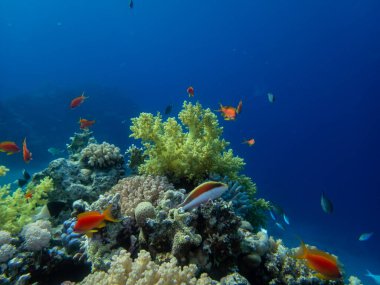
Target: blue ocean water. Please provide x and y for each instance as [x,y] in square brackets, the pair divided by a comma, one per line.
[321,60]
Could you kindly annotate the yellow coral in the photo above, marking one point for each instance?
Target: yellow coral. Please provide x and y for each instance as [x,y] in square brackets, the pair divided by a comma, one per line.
[3,170]
[17,211]
[190,149]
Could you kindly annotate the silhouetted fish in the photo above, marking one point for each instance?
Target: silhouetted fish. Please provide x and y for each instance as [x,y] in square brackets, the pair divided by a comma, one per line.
[21,182]
[55,207]
[131,4]
[26,175]
[168,109]
[326,204]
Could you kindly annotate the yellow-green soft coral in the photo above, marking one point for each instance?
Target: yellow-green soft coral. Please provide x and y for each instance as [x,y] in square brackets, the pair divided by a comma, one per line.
[3,170]
[190,150]
[16,210]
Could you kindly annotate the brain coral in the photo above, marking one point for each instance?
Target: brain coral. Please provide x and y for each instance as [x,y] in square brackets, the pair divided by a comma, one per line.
[188,150]
[136,189]
[101,156]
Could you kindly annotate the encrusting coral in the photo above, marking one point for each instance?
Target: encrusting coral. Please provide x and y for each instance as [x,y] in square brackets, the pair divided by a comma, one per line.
[136,189]
[101,156]
[16,211]
[188,150]
[144,271]
[3,170]
[36,235]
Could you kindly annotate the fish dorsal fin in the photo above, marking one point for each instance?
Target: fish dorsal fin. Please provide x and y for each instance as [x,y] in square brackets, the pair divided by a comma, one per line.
[86,214]
[323,254]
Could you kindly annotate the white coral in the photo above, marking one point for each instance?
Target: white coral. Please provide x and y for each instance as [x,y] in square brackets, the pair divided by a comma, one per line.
[36,235]
[101,155]
[7,251]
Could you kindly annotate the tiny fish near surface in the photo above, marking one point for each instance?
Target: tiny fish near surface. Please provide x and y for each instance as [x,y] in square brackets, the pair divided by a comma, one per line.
[206,191]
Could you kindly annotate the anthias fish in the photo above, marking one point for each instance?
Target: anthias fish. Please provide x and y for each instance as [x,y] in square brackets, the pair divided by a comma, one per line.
[206,191]
[322,262]
[249,142]
[229,113]
[85,124]
[9,147]
[89,222]
[190,91]
[77,101]
[239,107]
[27,155]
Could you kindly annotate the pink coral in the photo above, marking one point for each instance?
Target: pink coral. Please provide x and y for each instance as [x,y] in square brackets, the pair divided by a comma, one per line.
[136,189]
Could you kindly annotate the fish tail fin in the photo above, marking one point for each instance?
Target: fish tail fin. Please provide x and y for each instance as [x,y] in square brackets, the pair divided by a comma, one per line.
[108,215]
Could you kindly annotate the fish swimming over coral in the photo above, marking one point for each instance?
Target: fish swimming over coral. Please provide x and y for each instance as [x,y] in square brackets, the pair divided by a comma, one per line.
[228,112]
[9,147]
[55,151]
[77,101]
[374,277]
[190,91]
[89,222]
[322,262]
[27,155]
[206,191]
[85,124]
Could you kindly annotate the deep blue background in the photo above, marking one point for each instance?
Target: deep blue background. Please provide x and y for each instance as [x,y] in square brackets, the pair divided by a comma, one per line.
[320,59]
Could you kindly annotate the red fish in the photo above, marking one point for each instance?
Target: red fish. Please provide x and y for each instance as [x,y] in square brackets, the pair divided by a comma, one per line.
[229,113]
[25,152]
[239,107]
[190,91]
[77,101]
[90,222]
[85,124]
[250,142]
[9,147]
[325,264]
[28,195]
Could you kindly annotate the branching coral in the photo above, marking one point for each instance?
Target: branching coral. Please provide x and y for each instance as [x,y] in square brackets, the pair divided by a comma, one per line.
[16,211]
[187,150]
[3,170]
[144,271]
[136,189]
[101,156]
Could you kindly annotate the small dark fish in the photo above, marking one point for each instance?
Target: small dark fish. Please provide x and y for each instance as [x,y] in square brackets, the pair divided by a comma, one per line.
[25,174]
[326,204]
[131,4]
[21,182]
[168,109]
[281,227]
[55,207]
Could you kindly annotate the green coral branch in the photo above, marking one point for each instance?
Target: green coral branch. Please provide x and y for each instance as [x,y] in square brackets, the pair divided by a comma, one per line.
[16,210]
[190,148]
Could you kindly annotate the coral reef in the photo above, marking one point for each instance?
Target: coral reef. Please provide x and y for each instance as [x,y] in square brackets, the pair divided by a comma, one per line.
[3,170]
[143,271]
[136,157]
[136,189]
[36,235]
[188,150]
[101,156]
[16,211]
[78,142]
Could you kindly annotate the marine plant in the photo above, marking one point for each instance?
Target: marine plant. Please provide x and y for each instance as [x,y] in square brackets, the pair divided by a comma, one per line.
[186,150]
[3,170]
[17,210]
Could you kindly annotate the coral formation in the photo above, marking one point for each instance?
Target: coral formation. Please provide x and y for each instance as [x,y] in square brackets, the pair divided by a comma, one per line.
[143,271]
[36,235]
[78,142]
[16,211]
[3,170]
[101,156]
[144,211]
[136,189]
[136,157]
[188,150]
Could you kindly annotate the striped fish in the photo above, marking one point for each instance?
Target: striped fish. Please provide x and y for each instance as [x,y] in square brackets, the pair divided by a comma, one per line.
[206,191]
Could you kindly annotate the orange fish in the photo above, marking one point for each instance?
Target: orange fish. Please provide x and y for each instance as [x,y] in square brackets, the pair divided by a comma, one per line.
[190,91]
[85,124]
[229,113]
[25,152]
[77,101]
[238,109]
[28,195]
[9,147]
[325,264]
[90,222]
[250,142]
